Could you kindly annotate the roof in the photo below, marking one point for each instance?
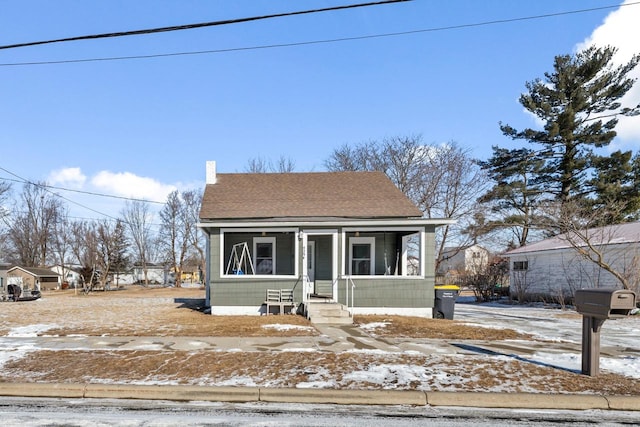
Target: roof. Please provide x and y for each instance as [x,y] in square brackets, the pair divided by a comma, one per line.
[37,271]
[305,195]
[609,235]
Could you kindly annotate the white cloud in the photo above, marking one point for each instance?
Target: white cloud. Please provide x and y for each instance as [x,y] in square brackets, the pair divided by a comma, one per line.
[126,184]
[621,30]
[70,177]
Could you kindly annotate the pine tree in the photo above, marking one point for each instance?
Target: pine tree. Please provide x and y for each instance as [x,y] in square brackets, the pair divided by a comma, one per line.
[579,103]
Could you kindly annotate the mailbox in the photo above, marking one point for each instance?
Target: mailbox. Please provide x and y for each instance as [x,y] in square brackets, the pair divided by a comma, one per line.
[605,303]
[596,306]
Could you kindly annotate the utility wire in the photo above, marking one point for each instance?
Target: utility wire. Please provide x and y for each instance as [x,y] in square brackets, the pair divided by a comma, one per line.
[325,41]
[44,187]
[25,181]
[48,188]
[199,25]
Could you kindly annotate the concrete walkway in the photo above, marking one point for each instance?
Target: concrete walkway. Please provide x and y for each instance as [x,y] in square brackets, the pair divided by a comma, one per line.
[331,338]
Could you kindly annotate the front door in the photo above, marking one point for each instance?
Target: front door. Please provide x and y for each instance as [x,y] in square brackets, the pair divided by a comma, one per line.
[320,266]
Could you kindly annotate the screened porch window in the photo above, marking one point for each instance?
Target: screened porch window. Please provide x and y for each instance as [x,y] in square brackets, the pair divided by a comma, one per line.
[374,252]
[258,253]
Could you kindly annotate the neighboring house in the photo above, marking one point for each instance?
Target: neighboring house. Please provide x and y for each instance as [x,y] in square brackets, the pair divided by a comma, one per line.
[345,237]
[70,277]
[456,261]
[3,278]
[553,268]
[156,274]
[33,279]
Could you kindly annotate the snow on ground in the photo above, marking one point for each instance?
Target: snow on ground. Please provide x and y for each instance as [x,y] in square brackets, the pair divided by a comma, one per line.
[557,325]
[281,327]
[619,344]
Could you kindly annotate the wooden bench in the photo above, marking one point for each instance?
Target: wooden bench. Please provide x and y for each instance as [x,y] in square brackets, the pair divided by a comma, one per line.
[281,298]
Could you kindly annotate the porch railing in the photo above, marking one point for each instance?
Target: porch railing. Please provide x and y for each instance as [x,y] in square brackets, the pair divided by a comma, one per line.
[348,281]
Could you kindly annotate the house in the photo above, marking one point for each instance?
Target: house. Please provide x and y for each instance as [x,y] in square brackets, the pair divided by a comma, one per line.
[347,238]
[33,279]
[70,277]
[555,269]
[3,278]
[456,261]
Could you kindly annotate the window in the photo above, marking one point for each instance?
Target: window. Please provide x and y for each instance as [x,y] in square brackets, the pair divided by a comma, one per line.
[520,265]
[264,255]
[362,256]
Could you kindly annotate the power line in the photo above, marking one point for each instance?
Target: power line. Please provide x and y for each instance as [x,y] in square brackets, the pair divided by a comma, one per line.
[44,187]
[198,25]
[324,41]
[91,193]
[48,187]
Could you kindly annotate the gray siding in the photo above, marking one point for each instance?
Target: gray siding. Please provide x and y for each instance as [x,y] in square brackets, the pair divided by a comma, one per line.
[382,291]
[392,292]
[245,291]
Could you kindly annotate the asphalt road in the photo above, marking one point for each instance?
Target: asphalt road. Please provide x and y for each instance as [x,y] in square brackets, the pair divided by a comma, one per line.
[28,412]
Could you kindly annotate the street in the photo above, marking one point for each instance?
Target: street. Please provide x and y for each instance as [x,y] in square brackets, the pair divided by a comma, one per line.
[30,412]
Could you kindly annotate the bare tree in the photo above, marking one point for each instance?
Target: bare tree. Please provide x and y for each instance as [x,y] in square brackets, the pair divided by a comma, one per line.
[487,279]
[262,165]
[5,191]
[32,229]
[192,201]
[442,180]
[179,233]
[61,243]
[137,217]
[111,249]
[593,244]
[521,283]
[84,247]
[173,237]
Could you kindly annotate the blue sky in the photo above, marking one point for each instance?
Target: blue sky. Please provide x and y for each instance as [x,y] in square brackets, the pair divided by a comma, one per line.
[143,127]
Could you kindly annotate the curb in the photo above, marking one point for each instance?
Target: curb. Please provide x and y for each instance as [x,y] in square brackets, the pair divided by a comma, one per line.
[326,396]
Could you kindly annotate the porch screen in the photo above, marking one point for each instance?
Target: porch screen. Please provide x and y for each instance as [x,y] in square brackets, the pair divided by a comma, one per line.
[384,253]
[258,253]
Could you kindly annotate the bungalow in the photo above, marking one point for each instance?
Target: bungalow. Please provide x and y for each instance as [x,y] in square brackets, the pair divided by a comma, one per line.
[348,238]
[554,268]
[33,279]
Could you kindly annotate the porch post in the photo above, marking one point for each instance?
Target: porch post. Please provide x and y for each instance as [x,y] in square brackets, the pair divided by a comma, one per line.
[302,240]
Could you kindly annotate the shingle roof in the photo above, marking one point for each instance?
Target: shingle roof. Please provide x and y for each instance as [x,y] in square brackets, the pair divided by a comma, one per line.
[610,235]
[305,195]
[38,271]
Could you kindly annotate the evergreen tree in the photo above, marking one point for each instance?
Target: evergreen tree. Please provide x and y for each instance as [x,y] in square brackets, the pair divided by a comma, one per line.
[515,194]
[579,103]
[615,183]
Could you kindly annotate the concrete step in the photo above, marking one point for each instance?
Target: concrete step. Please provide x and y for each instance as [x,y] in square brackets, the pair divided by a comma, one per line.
[332,320]
[328,314]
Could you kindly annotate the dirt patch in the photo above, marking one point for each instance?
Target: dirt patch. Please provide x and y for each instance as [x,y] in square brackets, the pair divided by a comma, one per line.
[420,327]
[139,311]
[167,312]
[318,369]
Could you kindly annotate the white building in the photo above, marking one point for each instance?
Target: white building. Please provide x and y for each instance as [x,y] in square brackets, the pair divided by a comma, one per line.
[555,268]
[463,260]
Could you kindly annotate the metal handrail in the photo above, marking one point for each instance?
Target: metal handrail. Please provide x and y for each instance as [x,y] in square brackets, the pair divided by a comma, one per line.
[305,287]
[353,291]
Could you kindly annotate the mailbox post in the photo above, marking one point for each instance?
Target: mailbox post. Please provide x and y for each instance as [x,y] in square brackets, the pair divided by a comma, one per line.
[596,306]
